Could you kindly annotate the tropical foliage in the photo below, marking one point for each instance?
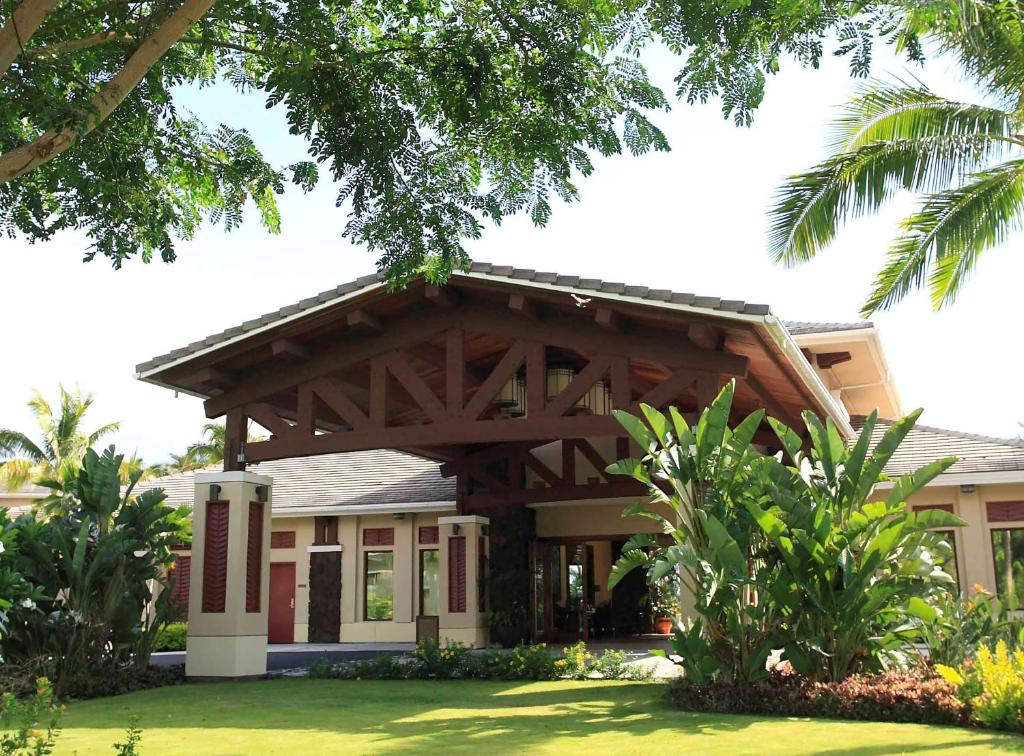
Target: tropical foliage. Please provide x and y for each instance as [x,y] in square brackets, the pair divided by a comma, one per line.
[794,557]
[992,684]
[62,440]
[432,117]
[963,625]
[93,612]
[965,158]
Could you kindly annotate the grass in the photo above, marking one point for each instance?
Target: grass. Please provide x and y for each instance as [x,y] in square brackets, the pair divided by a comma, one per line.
[319,716]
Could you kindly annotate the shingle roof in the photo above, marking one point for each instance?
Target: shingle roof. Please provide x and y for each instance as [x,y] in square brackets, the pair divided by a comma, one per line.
[583,285]
[925,444]
[799,327]
[380,477]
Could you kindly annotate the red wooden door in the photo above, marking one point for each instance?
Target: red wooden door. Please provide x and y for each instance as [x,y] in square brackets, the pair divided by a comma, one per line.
[282,603]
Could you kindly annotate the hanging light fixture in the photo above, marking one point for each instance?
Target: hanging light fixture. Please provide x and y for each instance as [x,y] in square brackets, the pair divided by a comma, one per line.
[511,401]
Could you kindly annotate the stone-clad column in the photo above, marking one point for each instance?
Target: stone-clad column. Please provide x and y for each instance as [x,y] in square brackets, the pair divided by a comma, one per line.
[230,578]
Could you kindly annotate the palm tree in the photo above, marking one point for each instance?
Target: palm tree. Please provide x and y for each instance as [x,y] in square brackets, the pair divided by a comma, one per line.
[62,444]
[210,451]
[966,159]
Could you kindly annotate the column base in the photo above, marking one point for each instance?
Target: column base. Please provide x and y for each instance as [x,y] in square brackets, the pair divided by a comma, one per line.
[225,656]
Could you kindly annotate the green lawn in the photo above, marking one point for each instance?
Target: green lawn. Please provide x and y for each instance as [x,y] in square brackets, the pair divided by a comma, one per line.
[319,716]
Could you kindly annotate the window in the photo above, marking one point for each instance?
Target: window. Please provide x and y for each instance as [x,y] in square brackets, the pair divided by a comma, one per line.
[1008,551]
[430,575]
[378,593]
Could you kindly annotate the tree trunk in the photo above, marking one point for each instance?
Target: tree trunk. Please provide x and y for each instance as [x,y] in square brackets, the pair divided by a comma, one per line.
[20,28]
[29,156]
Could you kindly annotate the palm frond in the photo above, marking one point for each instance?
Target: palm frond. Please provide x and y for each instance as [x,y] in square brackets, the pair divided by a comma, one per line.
[15,444]
[810,207]
[16,472]
[988,41]
[947,234]
[883,112]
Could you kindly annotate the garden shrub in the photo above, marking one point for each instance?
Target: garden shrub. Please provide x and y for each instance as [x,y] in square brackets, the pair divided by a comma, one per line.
[171,637]
[963,625]
[992,685]
[31,724]
[916,696]
[431,661]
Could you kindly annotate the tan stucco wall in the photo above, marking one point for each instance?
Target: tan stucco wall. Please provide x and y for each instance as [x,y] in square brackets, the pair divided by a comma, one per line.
[975,563]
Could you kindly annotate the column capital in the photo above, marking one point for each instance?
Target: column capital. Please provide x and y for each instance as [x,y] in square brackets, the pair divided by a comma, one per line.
[464,520]
[232,476]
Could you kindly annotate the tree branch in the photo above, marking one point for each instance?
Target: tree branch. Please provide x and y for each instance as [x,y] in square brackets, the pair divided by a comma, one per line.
[58,48]
[29,156]
[20,28]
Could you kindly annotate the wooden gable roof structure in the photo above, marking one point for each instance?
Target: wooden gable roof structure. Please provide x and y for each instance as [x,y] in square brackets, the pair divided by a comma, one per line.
[481,371]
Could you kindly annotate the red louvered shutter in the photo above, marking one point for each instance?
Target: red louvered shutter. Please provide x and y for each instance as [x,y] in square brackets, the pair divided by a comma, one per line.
[457,574]
[429,534]
[254,557]
[378,537]
[215,557]
[926,507]
[282,539]
[180,581]
[1005,511]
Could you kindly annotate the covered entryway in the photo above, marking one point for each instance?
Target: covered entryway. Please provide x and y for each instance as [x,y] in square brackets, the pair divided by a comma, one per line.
[508,380]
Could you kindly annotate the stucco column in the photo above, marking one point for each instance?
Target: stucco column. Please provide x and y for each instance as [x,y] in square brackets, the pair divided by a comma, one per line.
[463,541]
[230,579]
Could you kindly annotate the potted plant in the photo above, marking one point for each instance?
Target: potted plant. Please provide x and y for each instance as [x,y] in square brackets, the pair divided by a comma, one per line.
[664,601]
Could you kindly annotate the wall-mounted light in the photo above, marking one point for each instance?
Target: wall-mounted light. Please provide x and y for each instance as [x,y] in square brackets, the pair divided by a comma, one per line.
[214,492]
[484,530]
[399,515]
[262,494]
[455,528]
[967,488]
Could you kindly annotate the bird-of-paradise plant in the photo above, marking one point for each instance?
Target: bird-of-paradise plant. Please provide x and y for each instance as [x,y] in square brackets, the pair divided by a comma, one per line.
[863,566]
[805,557]
[966,159]
[63,440]
[699,480]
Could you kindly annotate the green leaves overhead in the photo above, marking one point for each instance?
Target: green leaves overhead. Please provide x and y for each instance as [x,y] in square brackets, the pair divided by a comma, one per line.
[431,119]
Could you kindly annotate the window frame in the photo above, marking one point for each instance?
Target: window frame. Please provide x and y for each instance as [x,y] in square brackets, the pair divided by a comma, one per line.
[995,567]
[366,593]
[436,551]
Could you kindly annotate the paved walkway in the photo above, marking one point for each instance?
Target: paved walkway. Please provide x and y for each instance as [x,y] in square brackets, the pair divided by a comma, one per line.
[297,655]
[291,655]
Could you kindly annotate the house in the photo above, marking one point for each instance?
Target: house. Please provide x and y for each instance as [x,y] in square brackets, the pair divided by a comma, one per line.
[436,454]
[21,500]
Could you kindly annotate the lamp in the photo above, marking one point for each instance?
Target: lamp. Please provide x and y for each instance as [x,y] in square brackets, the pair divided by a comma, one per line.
[214,492]
[455,528]
[512,397]
[967,488]
[262,494]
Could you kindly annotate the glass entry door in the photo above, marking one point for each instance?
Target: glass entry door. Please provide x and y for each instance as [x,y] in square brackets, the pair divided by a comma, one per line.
[562,591]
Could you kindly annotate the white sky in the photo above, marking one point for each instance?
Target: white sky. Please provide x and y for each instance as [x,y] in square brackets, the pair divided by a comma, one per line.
[689,220]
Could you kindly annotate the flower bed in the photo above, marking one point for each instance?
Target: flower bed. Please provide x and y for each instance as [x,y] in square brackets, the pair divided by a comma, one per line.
[431,661]
[916,696]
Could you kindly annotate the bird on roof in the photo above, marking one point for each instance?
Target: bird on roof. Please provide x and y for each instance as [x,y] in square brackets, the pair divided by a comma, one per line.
[580,301]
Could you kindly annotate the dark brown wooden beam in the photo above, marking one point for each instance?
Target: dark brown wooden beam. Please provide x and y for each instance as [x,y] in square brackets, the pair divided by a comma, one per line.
[705,336]
[593,457]
[441,296]
[236,430]
[499,376]
[364,320]
[450,432]
[523,307]
[580,384]
[616,489]
[455,370]
[411,381]
[286,349]
[265,381]
[332,393]
[826,360]
[211,377]
[668,390]
[771,406]
[610,319]
[266,416]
